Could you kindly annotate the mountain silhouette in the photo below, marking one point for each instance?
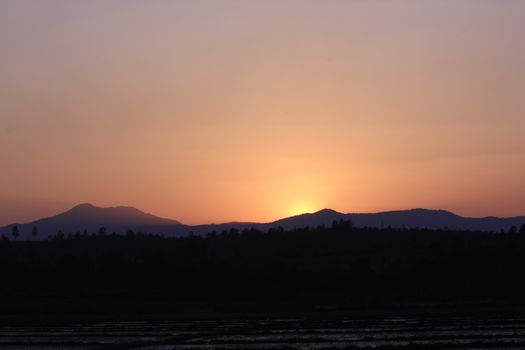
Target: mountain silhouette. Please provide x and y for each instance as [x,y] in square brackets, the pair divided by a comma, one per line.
[121,219]
[413,218]
[321,217]
[91,218]
[433,219]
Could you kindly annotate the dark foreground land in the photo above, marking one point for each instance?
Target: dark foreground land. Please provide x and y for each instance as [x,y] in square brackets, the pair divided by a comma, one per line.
[322,288]
[487,329]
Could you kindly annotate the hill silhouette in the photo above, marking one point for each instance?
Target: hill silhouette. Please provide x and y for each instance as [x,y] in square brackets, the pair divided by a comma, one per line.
[91,218]
[413,218]
[87,217]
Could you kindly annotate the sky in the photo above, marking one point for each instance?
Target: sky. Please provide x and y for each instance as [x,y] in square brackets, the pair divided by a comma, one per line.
[222,110]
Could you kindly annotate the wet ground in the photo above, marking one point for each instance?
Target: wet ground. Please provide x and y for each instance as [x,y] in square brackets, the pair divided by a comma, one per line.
[274,333]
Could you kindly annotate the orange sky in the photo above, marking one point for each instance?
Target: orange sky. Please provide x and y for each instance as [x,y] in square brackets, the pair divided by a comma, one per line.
[211,111]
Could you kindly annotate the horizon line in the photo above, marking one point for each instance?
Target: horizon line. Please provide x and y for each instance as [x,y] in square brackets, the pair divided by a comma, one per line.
[262,222]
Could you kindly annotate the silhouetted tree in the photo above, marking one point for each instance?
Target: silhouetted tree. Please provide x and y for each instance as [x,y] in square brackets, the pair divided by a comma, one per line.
[513,230]
[16,232]
[522,229]
[102,231]
[59,235]
[34,233]
[342,224]
[352,266]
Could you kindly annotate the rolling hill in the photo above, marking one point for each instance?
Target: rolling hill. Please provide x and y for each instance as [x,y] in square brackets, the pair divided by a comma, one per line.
[121,219]
[91,218]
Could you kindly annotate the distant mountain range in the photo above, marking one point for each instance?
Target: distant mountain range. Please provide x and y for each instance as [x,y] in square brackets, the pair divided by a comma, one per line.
[86,217]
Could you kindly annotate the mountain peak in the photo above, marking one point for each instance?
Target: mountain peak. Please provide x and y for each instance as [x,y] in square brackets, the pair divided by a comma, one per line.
[86,216]
[432,211]
[88,208]
[83,206]
[327,211]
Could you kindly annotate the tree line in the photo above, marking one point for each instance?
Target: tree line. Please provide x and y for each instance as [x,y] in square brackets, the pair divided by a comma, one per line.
[338,267]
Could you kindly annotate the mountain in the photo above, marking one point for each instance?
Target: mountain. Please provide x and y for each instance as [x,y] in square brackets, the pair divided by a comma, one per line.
[413,218]
[121,219]
[322,217]
[91,218]
[433,219]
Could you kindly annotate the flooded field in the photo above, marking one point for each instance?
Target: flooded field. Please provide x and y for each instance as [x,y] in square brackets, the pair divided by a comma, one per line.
[290,333]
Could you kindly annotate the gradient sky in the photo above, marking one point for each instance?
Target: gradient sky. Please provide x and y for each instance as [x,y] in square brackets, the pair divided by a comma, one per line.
[211,111]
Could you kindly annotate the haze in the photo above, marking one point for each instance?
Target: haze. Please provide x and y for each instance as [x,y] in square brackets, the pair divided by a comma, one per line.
[210,111]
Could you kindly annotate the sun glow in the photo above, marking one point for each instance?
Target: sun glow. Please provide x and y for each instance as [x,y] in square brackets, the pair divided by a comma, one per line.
[300,208]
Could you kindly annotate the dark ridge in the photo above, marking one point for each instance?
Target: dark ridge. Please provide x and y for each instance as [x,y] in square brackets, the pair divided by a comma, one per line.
[123,218]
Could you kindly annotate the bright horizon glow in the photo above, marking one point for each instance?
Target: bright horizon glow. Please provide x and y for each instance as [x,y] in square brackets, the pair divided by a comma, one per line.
[252,110]
[301,207]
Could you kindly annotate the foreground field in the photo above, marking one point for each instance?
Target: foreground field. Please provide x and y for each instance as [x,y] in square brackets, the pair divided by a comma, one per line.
[459,332]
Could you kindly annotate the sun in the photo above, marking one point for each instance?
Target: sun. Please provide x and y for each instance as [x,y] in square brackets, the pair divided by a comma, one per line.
[298,208]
